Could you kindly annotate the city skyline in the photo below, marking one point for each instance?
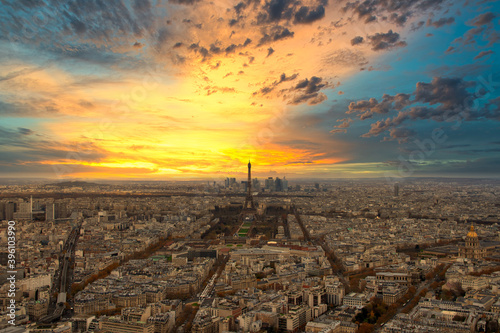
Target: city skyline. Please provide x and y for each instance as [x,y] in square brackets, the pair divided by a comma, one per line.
[184,90]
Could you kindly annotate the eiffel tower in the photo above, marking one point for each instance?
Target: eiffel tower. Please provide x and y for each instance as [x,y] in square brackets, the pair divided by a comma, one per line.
[249,206]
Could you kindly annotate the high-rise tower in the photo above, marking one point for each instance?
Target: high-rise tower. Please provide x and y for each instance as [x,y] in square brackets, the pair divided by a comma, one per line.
[249,211]
[249,178]
[249,206]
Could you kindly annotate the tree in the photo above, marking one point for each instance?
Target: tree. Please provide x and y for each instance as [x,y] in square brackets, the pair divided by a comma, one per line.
[366,328]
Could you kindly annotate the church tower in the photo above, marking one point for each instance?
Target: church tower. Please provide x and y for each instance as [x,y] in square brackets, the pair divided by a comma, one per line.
[472,249]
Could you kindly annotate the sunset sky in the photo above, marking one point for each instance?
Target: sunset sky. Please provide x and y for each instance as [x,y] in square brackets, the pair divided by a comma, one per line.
[193,89]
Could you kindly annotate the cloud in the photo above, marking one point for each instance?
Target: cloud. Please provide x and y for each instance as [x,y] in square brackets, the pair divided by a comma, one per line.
[344,123]
[442,100]
[21,146]
[269,51]
[25,131]
[283,78]
[400,134]
[185,2]
[398,12]
[385,41]
[482,19]
[338,130]
[483,54]
[357,40]
[276,33]
[307,90]
[289,11]
[366,109]
[15,74]
[307,15]
[138,45]
[482,30]
[213,89]
[310,86]
[415,27]
[276,10]
[441,22]
[345,57]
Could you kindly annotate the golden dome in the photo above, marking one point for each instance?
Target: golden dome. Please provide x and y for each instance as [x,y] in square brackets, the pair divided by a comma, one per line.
[472,233]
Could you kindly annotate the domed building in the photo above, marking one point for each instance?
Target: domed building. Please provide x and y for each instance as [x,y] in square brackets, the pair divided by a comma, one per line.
[472,249]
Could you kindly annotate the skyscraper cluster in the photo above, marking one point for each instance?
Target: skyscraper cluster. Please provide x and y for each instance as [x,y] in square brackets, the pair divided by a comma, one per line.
[270,184]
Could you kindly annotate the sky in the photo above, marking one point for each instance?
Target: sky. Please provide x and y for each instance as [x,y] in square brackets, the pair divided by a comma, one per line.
[193,89]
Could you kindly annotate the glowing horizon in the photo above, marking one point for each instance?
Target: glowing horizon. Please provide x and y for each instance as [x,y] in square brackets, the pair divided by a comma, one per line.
[190,90]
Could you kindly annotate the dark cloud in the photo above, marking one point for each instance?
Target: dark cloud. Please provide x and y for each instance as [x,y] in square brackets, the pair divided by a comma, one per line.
[441,22]
[357,40]
[442,100]
[270,51]
[385,41]
[289,11]
[308,90]
[483,54]
[274,34]
[365,10]
[276,10]
[398,12]
[308,15]
[239,7]
[310,86]
[217,48]
[311,99]
[399,19]
[283,78]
